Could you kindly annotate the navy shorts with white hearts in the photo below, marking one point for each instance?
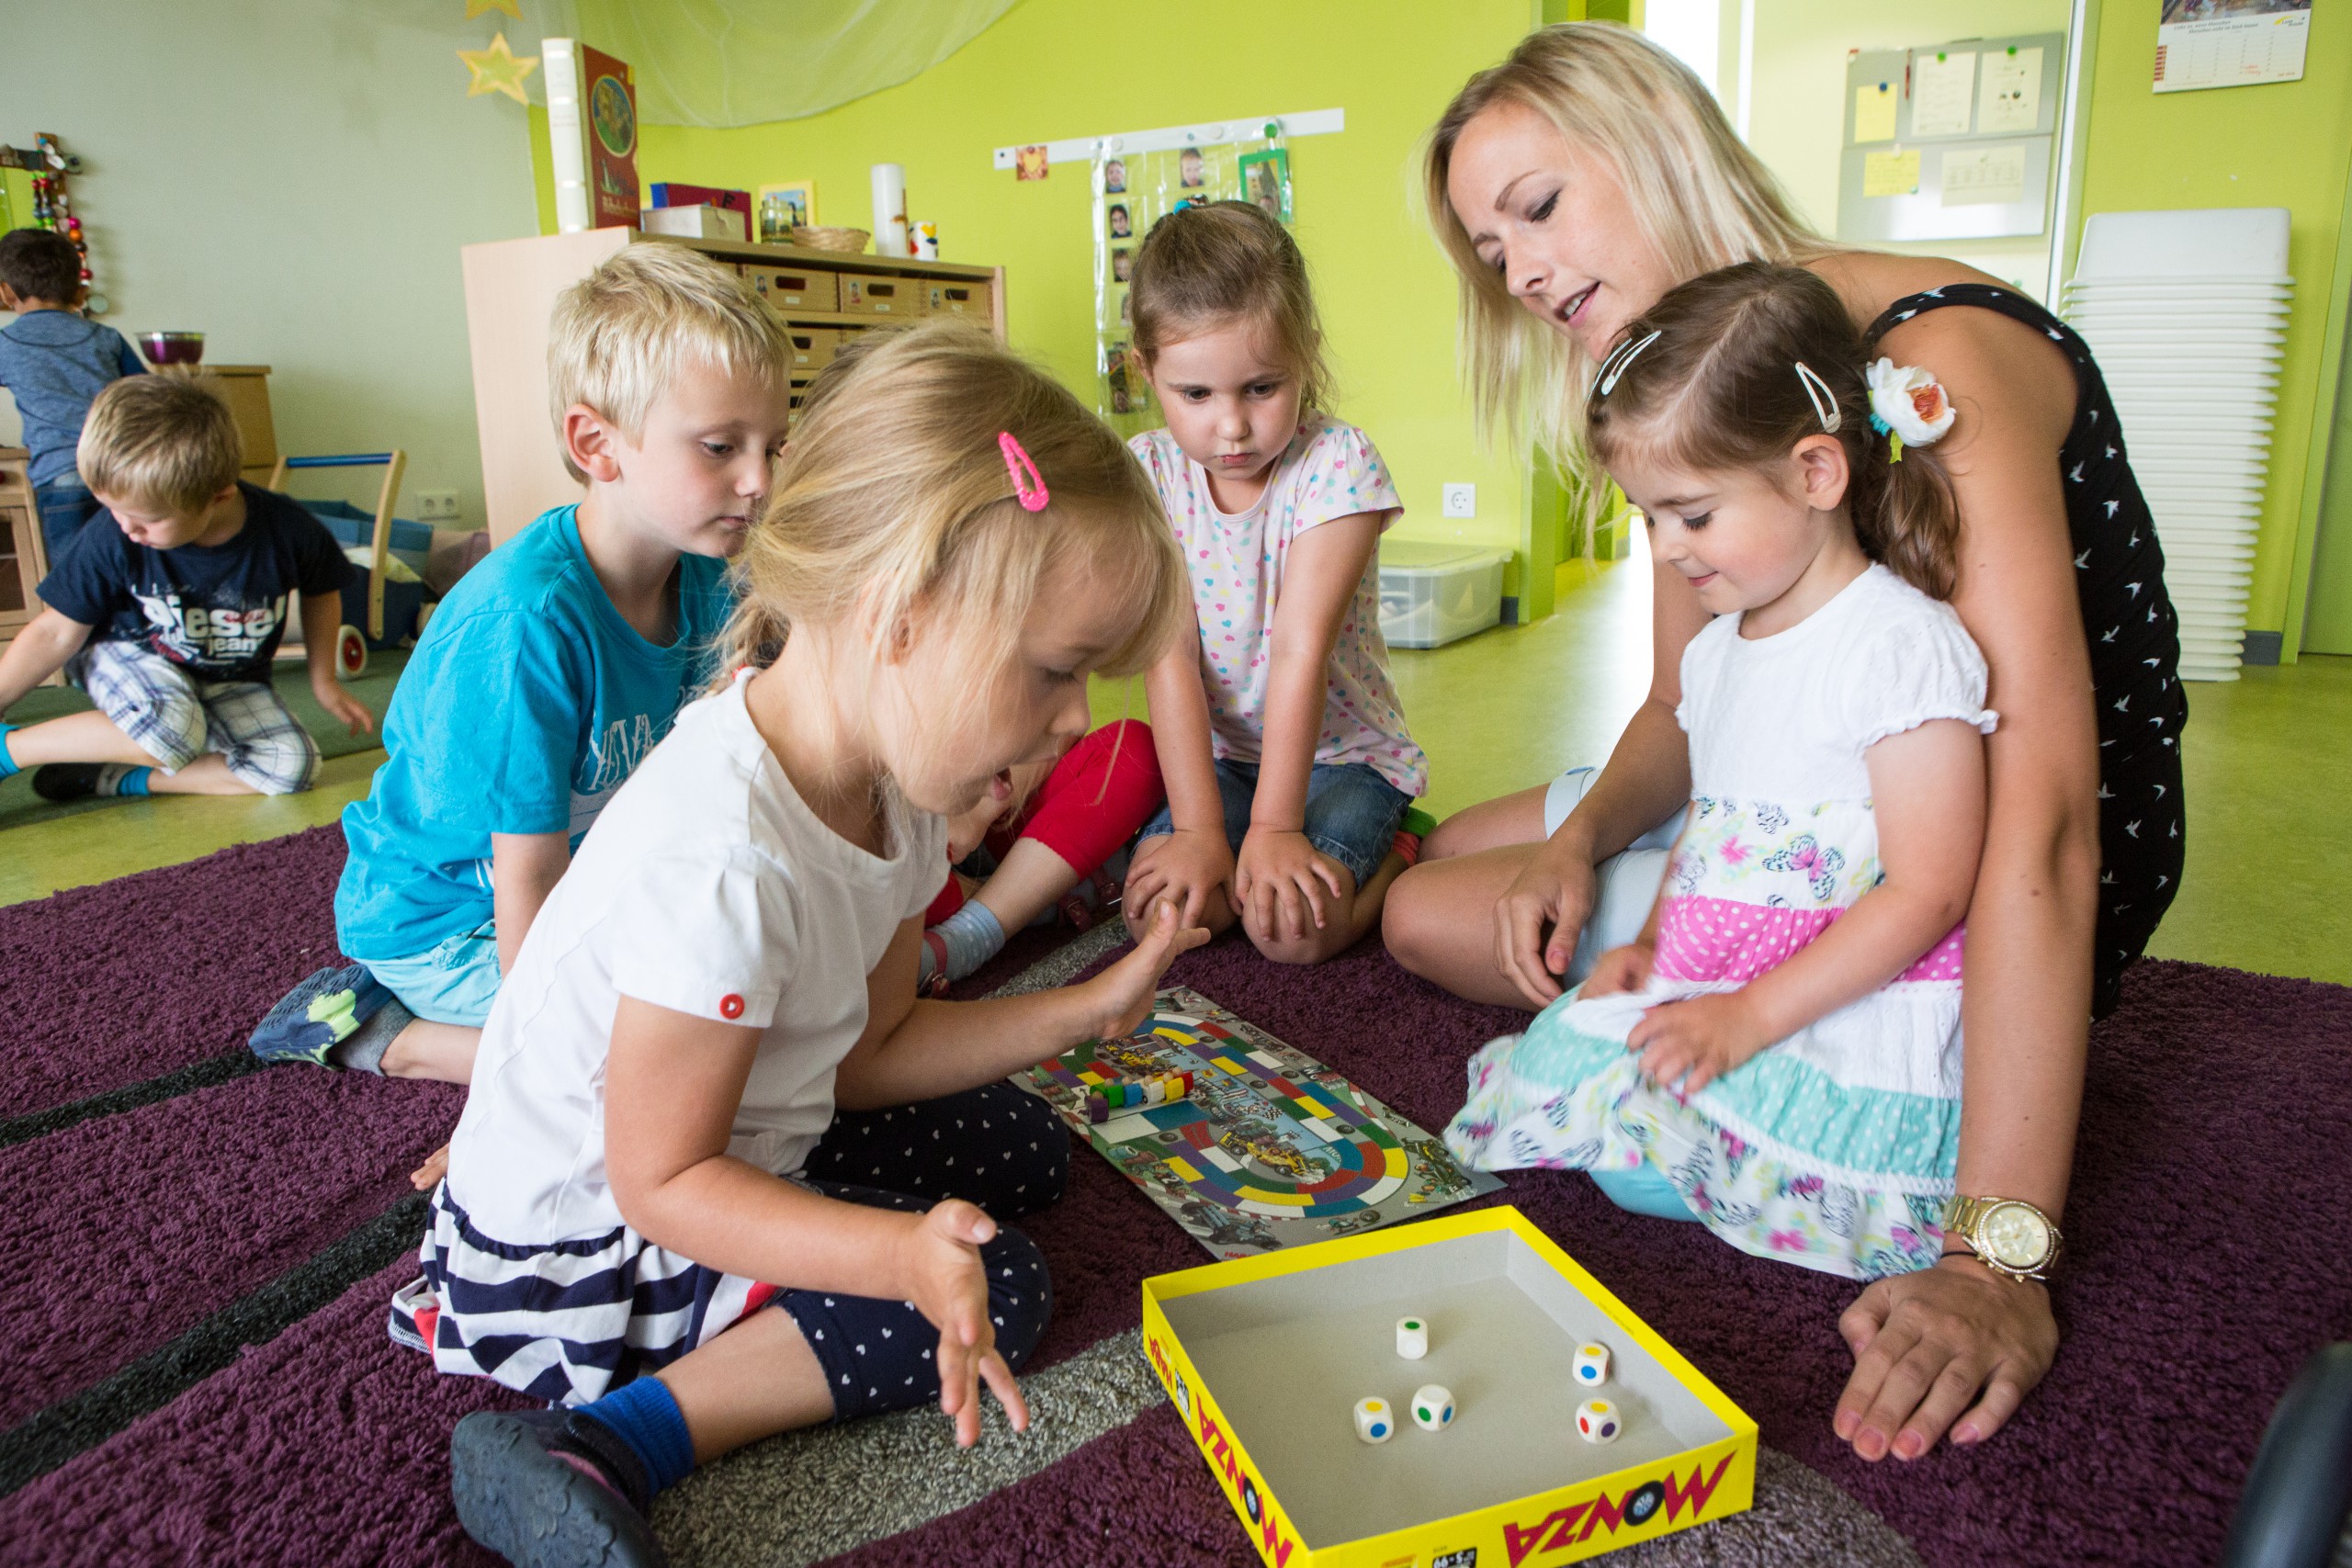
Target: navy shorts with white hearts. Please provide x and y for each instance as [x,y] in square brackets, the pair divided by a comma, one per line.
[995,1146]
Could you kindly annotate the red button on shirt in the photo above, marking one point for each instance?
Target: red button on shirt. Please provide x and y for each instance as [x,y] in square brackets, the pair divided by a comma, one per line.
[730,1006]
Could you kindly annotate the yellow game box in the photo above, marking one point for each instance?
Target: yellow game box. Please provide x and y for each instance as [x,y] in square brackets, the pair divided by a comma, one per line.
[1266,1358]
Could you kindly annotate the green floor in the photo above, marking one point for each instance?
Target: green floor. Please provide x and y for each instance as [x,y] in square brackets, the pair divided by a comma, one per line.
[2267,756]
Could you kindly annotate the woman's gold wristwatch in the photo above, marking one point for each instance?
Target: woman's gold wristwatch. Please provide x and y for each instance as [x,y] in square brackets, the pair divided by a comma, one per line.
[2008,1236]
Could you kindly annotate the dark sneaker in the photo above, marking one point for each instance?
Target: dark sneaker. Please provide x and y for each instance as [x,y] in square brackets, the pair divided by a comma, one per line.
[552,1489]
[332,1006]
[66,781]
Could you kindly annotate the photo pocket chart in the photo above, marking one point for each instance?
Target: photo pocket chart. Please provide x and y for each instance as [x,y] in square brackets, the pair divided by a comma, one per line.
[1953,141]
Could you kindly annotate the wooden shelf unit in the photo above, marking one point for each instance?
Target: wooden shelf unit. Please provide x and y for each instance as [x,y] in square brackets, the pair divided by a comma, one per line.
[23,561]
[511,289]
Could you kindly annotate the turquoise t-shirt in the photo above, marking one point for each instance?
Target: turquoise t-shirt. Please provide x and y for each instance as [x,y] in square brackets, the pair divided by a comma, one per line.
[527,702]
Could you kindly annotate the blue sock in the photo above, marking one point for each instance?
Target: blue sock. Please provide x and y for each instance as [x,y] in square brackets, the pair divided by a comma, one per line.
[8,768]
[972,937]
[648,1418]
[133,781]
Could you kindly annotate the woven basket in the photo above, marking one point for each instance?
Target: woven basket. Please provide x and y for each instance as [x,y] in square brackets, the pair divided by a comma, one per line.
[825,239]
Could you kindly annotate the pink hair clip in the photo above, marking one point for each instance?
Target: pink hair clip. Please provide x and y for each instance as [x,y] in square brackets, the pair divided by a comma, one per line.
[1028,484]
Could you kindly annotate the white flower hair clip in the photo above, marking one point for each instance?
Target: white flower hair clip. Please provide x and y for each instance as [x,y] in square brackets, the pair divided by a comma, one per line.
[1908,406]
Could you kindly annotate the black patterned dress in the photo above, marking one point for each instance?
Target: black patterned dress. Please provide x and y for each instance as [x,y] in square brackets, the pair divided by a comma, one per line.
[2134,644]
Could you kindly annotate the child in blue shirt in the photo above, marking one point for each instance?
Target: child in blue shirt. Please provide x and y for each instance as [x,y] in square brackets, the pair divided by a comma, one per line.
[168,611]
[53,362]
[553,667]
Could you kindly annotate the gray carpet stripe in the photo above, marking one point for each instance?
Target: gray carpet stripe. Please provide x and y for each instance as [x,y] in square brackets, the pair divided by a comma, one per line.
[41,1443]
[131,1097]
[781,1502]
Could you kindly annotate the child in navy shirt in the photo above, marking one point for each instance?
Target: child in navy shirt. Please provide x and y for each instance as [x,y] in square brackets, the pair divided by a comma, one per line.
[553,667]
[168,608]
[53,362]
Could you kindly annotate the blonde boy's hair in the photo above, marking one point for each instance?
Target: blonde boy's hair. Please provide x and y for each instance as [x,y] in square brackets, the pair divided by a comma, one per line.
[164,442]
[1702,199]
[894,505]
[621,335]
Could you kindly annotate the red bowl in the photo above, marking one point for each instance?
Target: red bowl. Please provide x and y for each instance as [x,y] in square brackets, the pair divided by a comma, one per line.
[171,348]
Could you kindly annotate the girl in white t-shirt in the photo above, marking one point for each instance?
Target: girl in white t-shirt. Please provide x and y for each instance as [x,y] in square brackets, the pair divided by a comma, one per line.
[1284,754]
[1777,1053]
[707,1087]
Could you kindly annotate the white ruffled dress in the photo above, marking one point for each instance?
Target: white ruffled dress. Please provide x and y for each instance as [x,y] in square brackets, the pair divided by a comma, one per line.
[1834,1148]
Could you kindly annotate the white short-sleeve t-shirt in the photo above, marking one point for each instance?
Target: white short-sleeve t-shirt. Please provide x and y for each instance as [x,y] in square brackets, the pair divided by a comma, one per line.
[1329,470]
[709,888]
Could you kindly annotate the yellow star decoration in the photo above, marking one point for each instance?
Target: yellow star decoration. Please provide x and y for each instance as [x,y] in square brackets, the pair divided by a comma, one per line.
[480,8]
[498,70]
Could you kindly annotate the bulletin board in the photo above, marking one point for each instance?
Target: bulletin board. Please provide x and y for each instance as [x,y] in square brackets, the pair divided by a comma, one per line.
[1954,141]
[1133,190]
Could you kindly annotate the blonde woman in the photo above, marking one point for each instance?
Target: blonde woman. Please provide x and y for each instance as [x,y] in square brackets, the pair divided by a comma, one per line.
[1573,186]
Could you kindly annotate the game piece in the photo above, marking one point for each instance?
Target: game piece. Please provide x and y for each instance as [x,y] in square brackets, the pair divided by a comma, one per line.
[1433,1406]
[1155,1091]
[1592,1363]
[1412,1337]
[1598,1421]
[1098,1110]
[1375,1423]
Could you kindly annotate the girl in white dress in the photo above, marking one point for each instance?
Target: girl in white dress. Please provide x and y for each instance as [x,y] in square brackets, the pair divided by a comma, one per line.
[1778,1053]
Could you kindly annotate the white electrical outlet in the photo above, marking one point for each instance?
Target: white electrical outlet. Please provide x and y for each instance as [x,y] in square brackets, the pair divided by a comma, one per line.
[436,505]
[1461,500]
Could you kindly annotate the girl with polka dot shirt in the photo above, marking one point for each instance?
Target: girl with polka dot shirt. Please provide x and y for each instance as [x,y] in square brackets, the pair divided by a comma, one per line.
[721,1173]
[1777,1053]
[1284,754]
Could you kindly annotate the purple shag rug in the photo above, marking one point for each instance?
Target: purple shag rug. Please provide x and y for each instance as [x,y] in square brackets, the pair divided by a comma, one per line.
[2206,1263]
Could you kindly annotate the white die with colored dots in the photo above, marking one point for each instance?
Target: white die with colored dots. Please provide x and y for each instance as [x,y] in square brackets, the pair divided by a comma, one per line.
[1599,1421]
[1412,1337]
[1375,1421]
[1592,1364]
[1433,1408]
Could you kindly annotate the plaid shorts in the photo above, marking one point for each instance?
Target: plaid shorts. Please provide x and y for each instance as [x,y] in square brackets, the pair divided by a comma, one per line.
[175,718]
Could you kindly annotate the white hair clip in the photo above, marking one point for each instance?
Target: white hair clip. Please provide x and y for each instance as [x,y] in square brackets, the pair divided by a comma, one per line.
[1908,406]
[1825,401]
[1612,369]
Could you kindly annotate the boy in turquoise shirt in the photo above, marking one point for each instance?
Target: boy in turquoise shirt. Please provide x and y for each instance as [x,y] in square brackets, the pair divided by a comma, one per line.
[553,667]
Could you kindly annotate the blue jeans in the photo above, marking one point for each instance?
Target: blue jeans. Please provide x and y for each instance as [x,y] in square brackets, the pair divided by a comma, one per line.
[1352,812]
[63,509]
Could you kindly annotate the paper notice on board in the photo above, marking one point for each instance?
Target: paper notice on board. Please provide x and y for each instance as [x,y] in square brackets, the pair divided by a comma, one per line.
[1943,93]
[1890,173]
[2009,99]
[1874,107]
[1979,177]
[2262,42]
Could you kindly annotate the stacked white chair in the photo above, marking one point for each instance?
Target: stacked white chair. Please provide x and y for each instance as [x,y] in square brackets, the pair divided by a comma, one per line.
[2186,314]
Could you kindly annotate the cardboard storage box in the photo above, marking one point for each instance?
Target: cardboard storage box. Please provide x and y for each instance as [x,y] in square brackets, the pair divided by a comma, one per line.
[812,350]
[872,294]
[1266,1357]
[791,288]
[959,299]
[694,222]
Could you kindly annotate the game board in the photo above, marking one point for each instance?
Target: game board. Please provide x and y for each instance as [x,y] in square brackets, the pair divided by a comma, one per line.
[1271,1149]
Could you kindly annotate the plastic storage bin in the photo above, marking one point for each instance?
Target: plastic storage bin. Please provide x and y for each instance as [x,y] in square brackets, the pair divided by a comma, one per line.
[1431,594]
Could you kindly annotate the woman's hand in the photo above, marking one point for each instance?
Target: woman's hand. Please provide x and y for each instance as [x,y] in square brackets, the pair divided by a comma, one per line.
[1121,996]
[1280,883]
[1954,1348]
[940,1269]
[1185,868]
[1625,968]
[1557,890]
[1698,1041]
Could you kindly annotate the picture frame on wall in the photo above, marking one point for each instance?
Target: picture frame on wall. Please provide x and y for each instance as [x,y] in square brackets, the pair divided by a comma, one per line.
[784,207]
[1265,182]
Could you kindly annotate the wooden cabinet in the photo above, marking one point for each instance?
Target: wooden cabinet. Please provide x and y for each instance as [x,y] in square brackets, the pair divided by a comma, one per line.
[246,389]
[511,289]
[23,562]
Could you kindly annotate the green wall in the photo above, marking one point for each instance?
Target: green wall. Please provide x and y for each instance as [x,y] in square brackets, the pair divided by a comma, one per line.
[2286,144]
[1069,68]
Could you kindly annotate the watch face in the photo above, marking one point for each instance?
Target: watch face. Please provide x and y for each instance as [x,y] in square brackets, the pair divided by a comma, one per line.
[2014,1235]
